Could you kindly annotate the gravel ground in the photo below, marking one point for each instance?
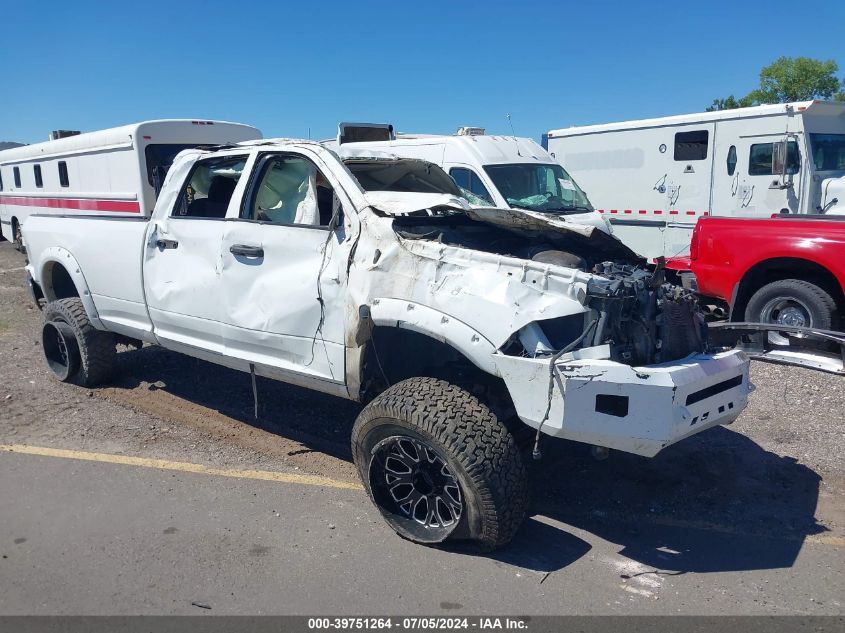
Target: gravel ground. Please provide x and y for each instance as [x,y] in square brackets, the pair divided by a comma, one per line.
[778,470]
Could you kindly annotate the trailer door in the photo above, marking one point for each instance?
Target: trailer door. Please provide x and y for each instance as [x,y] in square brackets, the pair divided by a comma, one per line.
[757,189]
[687,185]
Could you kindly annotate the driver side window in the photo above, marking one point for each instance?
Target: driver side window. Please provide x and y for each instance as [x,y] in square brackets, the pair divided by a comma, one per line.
[291,190]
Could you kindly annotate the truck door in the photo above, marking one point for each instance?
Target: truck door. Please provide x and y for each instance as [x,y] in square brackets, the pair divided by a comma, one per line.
[283,272]
[182,264]
[759,191]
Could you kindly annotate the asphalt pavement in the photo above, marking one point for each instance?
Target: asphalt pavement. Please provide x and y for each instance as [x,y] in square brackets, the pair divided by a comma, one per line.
[90,537]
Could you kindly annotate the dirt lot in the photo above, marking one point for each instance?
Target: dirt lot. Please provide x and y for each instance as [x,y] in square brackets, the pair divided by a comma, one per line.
[777,472]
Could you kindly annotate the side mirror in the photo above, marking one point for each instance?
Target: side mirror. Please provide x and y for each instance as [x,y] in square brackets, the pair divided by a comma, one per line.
[780,158]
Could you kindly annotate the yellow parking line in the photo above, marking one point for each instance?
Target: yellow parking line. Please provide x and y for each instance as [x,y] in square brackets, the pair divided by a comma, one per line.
[165,464]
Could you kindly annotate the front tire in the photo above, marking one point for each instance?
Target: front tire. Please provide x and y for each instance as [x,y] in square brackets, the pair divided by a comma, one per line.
[439,465]
[92,357]
[791,302]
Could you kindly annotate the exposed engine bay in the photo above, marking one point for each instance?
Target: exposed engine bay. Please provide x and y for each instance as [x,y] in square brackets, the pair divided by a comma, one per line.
[631,309]
[644,319]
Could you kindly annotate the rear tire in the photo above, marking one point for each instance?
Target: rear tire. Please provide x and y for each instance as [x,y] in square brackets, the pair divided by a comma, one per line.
[791,302]
[96,349]
[17,236]
[439,465]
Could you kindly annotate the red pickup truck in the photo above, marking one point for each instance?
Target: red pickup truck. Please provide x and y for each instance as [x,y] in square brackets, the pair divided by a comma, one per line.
[785,270]
[779,281]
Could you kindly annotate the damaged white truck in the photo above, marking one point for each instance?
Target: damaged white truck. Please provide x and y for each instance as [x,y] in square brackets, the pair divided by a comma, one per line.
[451,323]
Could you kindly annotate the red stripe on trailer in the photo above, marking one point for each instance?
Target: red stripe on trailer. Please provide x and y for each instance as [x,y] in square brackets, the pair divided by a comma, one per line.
[77,204]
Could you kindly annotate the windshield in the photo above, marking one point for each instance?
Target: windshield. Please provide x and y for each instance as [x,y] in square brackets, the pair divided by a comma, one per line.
[828,151]
[539,188]
[402,175]
[160,158]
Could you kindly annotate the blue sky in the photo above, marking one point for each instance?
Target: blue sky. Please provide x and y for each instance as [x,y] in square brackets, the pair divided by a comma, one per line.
[425,66]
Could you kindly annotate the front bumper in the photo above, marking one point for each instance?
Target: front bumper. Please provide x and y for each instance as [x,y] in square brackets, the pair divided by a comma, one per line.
[638,410]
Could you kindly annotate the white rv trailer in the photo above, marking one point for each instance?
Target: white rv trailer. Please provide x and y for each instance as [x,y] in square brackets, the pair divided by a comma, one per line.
[654,178]
[493,171]
[118,171]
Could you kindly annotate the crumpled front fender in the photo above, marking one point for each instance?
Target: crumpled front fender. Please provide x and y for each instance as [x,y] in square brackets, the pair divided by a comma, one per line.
[442,327]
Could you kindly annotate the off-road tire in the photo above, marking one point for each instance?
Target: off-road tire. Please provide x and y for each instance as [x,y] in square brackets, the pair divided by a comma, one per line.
[475,444]
[818,302]
[97,349]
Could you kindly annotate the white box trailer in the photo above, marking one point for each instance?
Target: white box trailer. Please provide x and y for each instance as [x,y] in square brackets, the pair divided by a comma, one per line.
[507,172]
[654,178]
[117,171]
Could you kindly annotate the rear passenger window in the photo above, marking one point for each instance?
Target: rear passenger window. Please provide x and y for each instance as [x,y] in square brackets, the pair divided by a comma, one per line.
[760,159]
[17,174]
[691,145]
[209,188]
[36,170]
[471,185]
[64,181]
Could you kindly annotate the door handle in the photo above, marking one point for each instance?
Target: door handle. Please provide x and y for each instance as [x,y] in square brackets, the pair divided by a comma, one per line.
[246,251]
[165,244]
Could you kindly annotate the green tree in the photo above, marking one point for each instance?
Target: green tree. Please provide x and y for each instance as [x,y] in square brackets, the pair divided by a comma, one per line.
[790,79]
[728,103]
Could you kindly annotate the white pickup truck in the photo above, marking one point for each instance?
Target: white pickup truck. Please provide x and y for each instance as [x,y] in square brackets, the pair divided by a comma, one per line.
[451,323]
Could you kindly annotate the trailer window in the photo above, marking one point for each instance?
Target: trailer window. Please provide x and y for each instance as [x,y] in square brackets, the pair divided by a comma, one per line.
[209,188]
[471,185]
[64,181]
[760,159]
[36,170]
[1,180]
[828,151]
[17,173]
[731,160]
[159,159]
[691,145]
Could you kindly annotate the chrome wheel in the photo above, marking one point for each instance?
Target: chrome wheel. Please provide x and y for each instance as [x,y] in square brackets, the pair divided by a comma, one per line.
[784,311]
[416,485]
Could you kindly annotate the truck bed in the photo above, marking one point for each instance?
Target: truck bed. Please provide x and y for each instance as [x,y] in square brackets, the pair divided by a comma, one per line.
[109,250]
